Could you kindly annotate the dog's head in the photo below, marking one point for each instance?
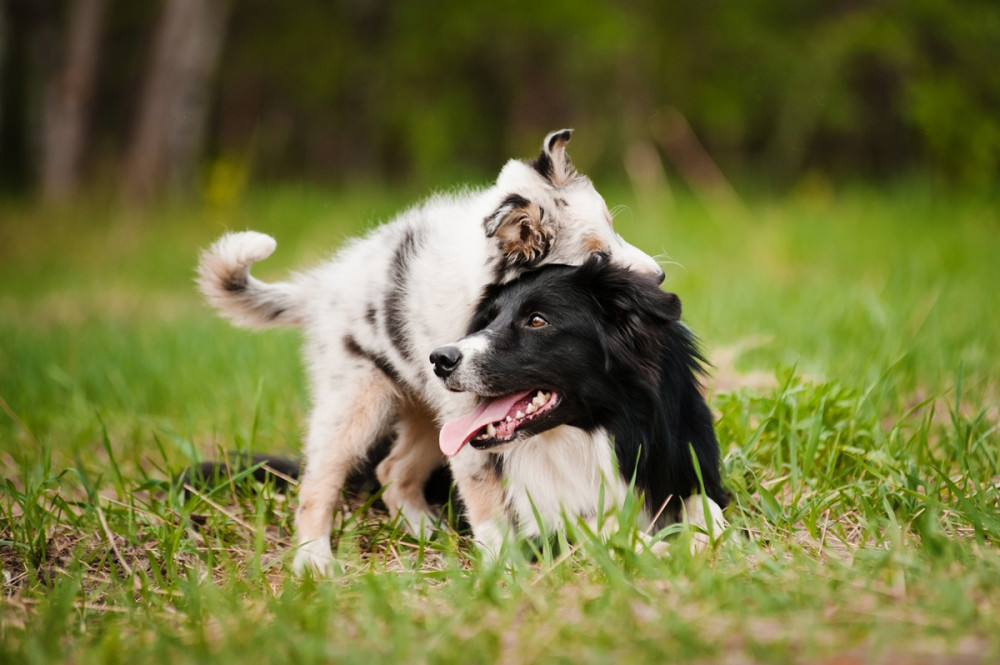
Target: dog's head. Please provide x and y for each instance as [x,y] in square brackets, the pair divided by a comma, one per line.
[548,213]
[559,346]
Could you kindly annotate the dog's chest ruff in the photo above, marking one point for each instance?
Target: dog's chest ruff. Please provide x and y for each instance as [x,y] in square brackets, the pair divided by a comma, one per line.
[560,475]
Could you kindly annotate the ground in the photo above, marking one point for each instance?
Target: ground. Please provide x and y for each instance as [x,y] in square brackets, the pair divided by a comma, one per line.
[854,335]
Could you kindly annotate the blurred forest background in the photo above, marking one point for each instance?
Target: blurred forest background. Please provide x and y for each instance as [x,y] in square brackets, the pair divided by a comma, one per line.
[150,98]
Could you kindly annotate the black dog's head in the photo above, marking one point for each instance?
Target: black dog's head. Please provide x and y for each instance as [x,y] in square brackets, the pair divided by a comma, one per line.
[559,346]
[594,346]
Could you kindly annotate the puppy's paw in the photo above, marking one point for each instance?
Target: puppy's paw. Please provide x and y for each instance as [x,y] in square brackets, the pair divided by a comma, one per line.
[490,538]
[314,557]
[420,524]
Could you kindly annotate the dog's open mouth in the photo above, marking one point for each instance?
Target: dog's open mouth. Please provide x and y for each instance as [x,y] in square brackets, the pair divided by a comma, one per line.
[496,421]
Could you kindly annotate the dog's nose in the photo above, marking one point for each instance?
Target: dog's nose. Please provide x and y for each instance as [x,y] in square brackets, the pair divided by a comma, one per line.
[445,359]
[660,276]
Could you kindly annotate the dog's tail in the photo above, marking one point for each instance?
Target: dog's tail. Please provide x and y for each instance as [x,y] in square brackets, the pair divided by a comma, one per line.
[224,277]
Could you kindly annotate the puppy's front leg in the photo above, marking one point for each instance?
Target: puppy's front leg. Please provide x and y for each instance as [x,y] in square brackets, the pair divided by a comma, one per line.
[342,426]
[478,479]
[318,497]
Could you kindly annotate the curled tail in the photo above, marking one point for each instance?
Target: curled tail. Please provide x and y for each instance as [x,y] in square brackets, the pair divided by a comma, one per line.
[224,277]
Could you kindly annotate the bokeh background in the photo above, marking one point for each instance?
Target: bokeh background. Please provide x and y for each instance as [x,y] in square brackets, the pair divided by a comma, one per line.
[821,179]
[194,96]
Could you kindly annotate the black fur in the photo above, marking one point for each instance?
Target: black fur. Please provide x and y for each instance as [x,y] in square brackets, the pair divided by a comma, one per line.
[380,361]
[208,474]
[361,481]
[395,316]
[235,283]
[616,353]
[558,137]
[543,164]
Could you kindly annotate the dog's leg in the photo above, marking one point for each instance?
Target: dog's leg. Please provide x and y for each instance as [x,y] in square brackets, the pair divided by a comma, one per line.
[405,471]
[704,530]
[341,429]
[479,484]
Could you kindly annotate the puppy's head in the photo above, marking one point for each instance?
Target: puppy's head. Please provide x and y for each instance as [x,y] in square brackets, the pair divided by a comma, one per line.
[560,346]
[548,213]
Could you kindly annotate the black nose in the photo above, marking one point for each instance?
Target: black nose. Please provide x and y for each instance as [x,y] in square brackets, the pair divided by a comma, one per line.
[445,359]
[660,276]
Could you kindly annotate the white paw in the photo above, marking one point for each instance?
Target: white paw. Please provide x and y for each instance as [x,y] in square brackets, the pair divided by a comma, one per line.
[316,557]
[660,548]
[419,523]
[490,538]
[707,528]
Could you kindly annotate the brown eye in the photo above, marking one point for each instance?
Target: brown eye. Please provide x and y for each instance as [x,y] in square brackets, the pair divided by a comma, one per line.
[536,321]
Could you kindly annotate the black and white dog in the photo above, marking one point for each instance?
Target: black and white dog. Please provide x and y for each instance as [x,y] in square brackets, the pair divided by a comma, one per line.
[587,379]
[373,312]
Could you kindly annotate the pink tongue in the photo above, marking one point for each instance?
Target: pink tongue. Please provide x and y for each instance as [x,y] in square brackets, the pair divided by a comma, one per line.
[456,433]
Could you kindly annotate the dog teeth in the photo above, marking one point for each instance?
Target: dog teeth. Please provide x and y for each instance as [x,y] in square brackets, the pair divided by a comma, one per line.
[540,399]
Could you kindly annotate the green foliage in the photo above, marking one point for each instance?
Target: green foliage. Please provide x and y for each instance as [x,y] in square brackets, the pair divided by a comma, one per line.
[775,90]
[864,478]
[347,92]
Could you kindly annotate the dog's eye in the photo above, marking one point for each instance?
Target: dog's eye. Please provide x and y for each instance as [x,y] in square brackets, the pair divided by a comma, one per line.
[537,321]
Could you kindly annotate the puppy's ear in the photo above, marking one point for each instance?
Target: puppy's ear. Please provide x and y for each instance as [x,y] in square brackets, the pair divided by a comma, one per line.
[554,163]
[517,225]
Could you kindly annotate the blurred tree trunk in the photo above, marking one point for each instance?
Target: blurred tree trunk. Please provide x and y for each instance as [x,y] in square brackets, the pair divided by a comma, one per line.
[67,101]
[3,54]
[34,26]
[175,97]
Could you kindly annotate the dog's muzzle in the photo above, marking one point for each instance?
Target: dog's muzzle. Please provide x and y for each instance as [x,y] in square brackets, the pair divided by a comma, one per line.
[446,360]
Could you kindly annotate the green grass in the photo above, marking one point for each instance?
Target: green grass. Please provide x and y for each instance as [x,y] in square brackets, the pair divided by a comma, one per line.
[865,479]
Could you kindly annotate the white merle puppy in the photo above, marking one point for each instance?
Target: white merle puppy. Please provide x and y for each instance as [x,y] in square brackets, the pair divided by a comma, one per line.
[375,310]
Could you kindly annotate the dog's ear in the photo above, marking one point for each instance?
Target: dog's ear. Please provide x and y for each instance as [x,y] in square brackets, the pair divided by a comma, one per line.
[554,163]
[517,225]
[621,292]
[670,306]
[634,311]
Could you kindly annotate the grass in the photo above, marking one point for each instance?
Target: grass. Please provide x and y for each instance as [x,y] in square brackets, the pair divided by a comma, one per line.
[865,477]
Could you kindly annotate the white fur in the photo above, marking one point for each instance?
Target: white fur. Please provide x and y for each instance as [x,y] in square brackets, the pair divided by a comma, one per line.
[561,474]
[568,474]
[355,309]
[473,345]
